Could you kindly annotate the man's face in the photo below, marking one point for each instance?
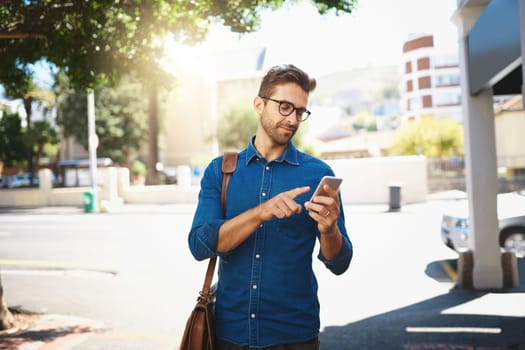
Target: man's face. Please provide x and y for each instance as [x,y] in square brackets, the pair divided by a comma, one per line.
[280,129]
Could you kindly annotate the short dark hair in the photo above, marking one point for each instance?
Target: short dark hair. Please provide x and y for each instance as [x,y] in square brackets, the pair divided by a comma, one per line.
[285,73]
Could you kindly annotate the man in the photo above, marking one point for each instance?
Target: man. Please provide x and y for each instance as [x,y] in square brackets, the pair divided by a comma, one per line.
[267,291]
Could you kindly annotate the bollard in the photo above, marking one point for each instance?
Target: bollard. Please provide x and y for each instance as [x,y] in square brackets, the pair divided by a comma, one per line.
[395,197]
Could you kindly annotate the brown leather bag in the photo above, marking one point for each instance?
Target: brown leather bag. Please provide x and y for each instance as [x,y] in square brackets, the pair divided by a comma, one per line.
[199,333]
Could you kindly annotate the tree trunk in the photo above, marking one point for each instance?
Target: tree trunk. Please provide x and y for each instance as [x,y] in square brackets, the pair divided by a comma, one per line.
[6,318]
[152,177]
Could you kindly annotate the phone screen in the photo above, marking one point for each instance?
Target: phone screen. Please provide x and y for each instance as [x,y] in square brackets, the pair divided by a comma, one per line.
[332,181]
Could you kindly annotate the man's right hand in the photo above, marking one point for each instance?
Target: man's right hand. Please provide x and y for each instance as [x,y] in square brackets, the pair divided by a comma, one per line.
[236,230]
[283,205]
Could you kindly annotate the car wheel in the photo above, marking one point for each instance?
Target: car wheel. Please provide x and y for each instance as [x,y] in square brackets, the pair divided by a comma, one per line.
[513,239]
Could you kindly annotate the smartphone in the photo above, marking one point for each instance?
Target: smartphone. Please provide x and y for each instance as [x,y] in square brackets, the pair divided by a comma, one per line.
[332,181]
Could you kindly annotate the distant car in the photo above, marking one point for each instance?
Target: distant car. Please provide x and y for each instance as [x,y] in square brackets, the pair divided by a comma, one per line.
[511,218]
[19,180]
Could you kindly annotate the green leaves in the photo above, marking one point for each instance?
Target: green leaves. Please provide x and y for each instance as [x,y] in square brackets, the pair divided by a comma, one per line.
[437,138]
[120,118]
[99,41]
[12,149]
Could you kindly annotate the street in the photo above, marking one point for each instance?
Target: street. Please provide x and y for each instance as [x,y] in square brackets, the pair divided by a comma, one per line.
[132,274]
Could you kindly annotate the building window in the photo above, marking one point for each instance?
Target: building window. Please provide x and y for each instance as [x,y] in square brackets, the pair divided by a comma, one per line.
[447,80]
[410,86]
[424,83]
[423,63]
[451,99]
[427,101]
[408,67]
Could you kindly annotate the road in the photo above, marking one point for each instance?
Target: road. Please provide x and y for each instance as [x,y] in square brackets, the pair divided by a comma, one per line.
[132,272]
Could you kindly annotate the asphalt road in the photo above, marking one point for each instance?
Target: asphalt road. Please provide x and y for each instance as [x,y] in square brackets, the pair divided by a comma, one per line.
[132,274]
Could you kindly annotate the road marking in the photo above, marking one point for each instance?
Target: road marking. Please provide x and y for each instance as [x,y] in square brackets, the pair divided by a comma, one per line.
[449,270]
[453,330]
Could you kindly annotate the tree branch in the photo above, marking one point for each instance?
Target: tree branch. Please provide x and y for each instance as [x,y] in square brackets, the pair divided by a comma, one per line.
[19,35]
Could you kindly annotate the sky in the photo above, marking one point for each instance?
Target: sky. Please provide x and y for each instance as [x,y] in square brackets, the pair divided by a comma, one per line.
[372,35]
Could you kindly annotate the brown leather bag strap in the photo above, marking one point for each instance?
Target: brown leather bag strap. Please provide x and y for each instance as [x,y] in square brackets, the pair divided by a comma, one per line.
[229,164]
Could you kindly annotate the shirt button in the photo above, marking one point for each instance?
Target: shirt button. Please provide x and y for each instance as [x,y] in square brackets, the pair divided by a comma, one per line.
[252,315]
[264,194]
[261,225]
[257,256]
[267,168]
[254,286]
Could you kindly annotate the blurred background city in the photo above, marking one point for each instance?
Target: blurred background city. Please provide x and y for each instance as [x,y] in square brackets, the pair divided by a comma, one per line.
[389,84]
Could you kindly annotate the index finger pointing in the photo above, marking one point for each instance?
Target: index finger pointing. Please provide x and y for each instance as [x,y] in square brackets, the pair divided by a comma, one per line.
[297,191]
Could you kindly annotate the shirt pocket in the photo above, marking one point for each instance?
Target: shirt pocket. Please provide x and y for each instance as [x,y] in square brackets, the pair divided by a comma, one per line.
[297,227]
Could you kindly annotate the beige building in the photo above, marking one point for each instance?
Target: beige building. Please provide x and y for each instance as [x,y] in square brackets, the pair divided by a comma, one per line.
[510,143]
[195,110]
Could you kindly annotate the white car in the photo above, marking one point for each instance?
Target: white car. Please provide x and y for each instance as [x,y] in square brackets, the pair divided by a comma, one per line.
[511,217]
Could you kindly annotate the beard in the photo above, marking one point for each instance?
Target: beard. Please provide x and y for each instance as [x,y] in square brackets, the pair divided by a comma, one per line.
[280,133]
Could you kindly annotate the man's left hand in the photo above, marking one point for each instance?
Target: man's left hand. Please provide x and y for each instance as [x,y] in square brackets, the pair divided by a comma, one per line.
[325,210]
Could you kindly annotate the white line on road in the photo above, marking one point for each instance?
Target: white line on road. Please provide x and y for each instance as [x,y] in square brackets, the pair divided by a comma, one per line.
[453,330]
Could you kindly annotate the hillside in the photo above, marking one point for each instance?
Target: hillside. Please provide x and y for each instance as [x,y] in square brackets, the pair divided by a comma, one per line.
[356,86]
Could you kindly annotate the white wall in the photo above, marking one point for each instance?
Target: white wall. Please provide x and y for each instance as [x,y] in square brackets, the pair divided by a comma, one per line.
[367,180]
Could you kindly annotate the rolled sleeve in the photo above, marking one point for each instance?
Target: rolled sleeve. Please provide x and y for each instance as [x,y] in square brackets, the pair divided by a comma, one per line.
[339,264]
[203,240]
[208,216]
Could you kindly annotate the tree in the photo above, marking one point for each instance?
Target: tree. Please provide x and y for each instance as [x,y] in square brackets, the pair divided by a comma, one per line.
[364,121]
[121,123]
[33,97]
[24,145]
[236,126]
[430,137]
[35,139]
[12,149]
[100,41]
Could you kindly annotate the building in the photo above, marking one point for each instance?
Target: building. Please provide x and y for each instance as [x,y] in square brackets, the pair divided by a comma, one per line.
[430,80]
[202,97]
[510,144]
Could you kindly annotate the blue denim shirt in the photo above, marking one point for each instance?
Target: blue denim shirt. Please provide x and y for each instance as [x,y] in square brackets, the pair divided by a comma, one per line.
[267,291]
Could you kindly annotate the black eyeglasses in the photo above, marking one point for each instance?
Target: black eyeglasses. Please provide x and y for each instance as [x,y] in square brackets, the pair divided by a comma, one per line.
[287,108]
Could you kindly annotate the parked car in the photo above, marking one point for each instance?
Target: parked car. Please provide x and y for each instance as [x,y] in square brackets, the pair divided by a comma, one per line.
[19,180]
[511,218]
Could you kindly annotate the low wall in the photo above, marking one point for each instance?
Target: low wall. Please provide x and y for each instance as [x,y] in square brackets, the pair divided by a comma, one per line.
[366,180]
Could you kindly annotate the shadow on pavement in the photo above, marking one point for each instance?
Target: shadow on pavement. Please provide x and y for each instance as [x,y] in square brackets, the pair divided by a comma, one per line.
[433,324]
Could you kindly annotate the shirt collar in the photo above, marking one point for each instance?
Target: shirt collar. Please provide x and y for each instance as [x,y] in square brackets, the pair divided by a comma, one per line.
[290,155]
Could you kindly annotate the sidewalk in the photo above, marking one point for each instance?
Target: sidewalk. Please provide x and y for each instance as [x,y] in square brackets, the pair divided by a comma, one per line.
[49,332]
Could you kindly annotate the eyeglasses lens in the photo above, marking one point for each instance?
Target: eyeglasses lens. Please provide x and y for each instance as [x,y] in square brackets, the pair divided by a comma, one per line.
[285,108]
